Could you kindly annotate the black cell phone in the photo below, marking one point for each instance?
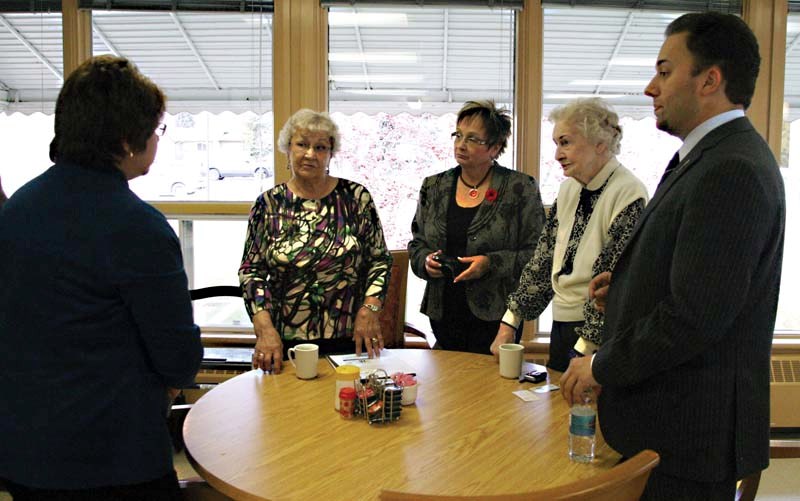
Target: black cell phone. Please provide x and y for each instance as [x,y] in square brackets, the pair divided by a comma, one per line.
[534,376]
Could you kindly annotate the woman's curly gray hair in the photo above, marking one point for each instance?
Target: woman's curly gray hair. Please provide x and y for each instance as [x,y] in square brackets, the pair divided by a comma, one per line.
[312,121]
[594,119]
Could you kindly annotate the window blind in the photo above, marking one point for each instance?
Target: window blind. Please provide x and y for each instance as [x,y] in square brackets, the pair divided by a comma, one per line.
[496,4]
[727,6]
[54,6]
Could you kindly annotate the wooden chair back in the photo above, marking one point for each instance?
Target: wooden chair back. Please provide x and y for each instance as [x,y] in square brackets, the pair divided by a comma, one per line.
[393,316]
[624,482]
[216,291]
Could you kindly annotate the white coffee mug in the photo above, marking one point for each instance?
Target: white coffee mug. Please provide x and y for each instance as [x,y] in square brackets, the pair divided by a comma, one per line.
[409,395]
[305,360]
[511,360]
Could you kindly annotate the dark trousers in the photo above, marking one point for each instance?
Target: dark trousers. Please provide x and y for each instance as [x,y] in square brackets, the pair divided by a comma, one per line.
[562,342]
[165,488]
[459,329]
[662,487]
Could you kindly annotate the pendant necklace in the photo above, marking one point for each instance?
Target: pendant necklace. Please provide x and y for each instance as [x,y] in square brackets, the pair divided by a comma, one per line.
[473,190]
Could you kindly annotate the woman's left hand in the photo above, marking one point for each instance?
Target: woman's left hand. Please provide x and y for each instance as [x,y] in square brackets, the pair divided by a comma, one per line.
[477,267]
[367,330]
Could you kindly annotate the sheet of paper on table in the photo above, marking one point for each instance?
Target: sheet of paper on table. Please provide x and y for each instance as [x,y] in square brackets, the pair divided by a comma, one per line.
[388,361]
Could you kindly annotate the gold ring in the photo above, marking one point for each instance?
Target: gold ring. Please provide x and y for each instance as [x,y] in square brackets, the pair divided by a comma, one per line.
[260,355]
[374,340]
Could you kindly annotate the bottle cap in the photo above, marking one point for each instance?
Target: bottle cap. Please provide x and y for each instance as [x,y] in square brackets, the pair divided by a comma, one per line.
[347,373]
[347,393]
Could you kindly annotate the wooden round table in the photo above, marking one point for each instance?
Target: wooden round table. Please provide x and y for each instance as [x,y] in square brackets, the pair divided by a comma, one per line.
[275,437]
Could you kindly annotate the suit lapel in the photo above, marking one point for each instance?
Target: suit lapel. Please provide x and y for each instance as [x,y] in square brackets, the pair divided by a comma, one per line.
[710,141]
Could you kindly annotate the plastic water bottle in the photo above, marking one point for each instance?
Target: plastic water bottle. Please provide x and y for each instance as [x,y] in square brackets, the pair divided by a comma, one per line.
[582,419]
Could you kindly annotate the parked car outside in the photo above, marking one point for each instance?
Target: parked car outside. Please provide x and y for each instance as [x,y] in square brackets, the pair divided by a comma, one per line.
[238,169]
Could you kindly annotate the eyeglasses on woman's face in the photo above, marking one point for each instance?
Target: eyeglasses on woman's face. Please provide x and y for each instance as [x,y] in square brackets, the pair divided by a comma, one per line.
[161,130]
[303,146]
[469,140]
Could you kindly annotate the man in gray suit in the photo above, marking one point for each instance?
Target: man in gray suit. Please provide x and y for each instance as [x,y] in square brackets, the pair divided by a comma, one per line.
[690,312]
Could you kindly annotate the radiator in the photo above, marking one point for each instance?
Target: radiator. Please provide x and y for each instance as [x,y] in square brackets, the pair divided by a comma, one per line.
[784,386]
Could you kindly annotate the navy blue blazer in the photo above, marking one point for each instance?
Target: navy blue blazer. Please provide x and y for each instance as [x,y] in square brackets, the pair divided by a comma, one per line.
[95,324]
[691,312]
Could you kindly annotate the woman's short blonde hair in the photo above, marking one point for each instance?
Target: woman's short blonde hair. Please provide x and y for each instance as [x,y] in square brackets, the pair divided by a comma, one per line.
[594,119]
[311,121]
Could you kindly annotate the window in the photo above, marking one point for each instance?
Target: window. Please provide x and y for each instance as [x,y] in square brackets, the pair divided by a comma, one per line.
[398,76]
[31,74]
[216,264]
[218,144]
[788,314]
[607,53]
[608,50]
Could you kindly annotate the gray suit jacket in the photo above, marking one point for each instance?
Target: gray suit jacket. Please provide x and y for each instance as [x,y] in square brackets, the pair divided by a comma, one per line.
[506,230]
[691,312]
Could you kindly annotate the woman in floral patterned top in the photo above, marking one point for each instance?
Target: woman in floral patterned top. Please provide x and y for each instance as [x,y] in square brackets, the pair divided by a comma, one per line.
[315,265]
[585,232]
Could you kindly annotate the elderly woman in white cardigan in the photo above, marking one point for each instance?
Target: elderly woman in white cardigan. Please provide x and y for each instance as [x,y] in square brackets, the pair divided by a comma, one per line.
[584,234]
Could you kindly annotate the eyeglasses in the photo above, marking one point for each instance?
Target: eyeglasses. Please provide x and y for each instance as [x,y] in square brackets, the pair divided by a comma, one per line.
[470,140]
[161,130]
[318,148]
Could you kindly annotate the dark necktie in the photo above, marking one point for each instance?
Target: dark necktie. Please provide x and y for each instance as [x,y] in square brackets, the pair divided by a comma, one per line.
[670,167]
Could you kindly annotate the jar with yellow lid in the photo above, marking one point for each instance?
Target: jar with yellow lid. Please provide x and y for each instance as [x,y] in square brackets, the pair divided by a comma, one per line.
[346,377]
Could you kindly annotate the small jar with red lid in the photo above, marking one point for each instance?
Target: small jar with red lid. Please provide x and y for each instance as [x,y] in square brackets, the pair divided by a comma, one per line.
[347,402]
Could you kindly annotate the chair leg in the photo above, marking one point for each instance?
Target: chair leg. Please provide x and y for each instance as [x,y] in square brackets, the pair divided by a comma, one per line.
[196,489]
[747,487]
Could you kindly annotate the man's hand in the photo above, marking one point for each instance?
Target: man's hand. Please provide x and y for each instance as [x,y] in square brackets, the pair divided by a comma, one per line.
[598,290]
[577,379]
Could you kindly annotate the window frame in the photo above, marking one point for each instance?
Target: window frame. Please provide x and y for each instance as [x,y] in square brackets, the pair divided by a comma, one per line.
[300,27]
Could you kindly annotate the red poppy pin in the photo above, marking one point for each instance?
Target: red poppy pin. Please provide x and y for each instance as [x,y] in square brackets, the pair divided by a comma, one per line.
[491,195]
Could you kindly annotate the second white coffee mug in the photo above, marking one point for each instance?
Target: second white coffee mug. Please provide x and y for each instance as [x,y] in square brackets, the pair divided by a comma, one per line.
[511,360]
[304,360]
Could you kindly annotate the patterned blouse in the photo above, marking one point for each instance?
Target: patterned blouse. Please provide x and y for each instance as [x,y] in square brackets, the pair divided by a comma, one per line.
[535,289]
[311,263]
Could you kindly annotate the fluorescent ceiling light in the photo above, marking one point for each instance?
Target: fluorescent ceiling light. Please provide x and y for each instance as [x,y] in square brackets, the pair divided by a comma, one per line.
[387,92]
[377,78]
[633,61]
[623,83]
[373,57]
[367,19]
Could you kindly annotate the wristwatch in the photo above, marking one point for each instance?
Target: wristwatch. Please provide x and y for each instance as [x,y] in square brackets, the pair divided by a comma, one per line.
[372,307]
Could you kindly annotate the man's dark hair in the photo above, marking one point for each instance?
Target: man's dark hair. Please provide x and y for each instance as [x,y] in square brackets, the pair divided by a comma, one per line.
[496,121]
[726,41]
[104,102]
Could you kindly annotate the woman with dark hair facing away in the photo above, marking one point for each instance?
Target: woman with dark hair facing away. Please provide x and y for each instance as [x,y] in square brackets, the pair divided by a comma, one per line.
[96,329]
[475,227]
[315,267]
